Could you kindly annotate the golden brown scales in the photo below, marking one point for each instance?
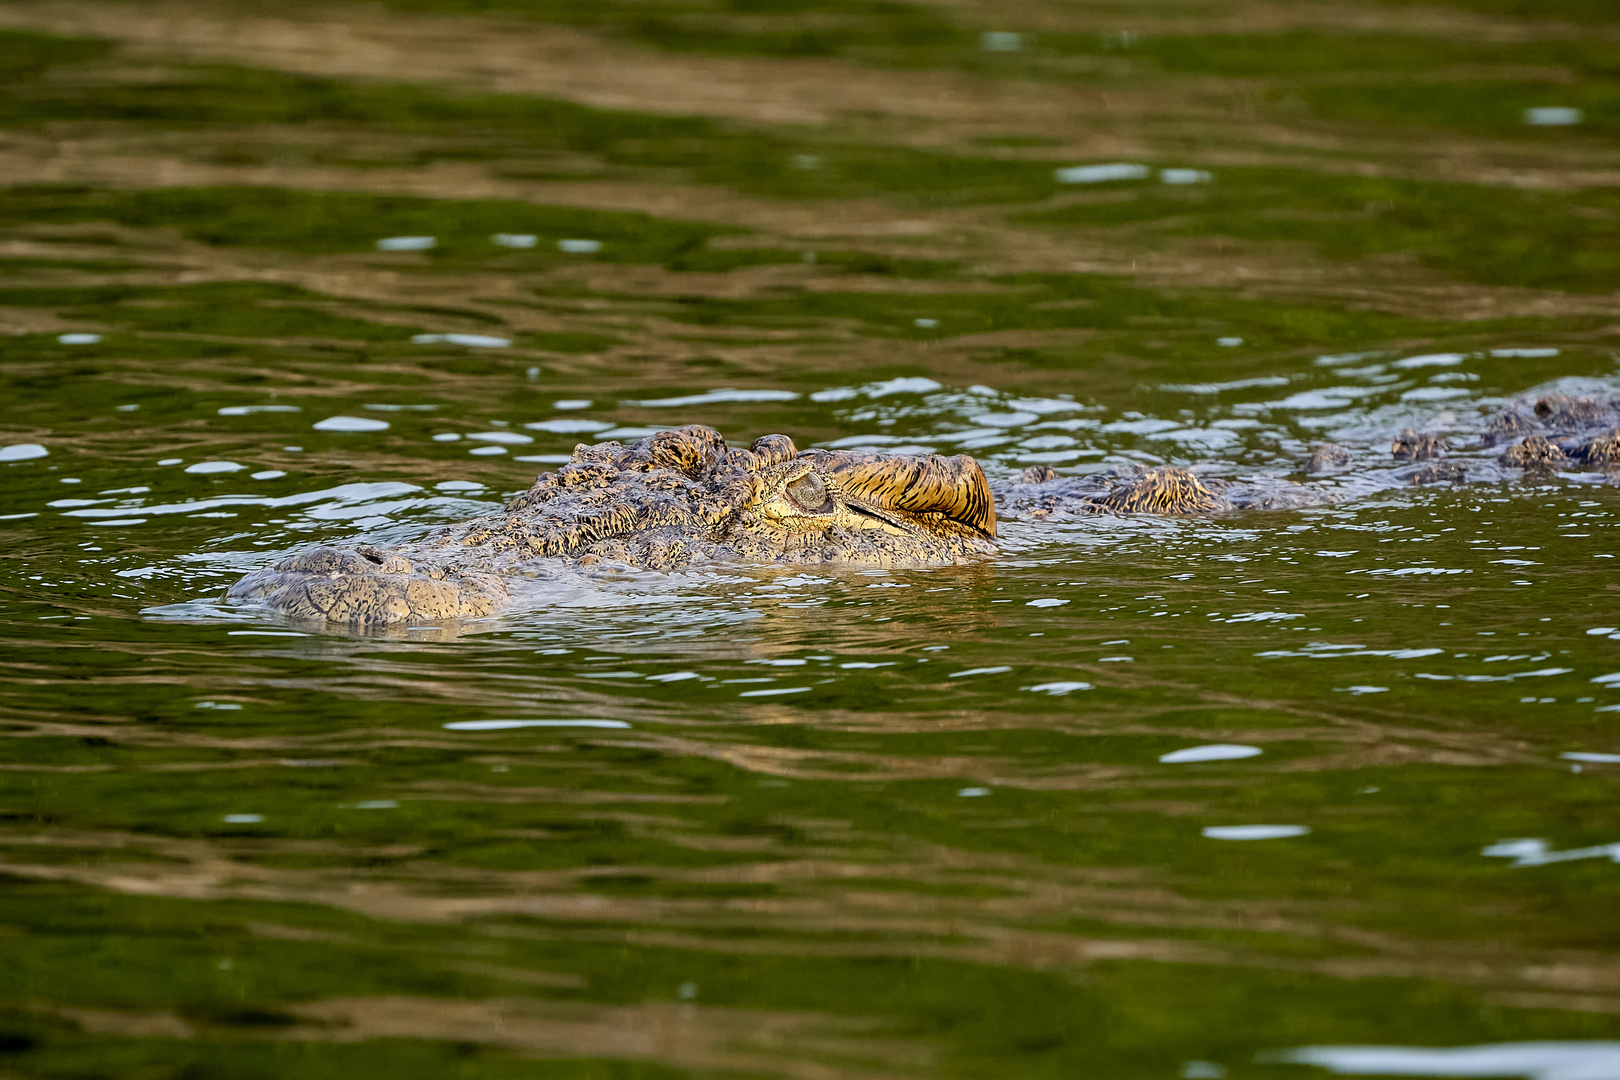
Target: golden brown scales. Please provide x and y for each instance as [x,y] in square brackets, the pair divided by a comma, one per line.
[669,500]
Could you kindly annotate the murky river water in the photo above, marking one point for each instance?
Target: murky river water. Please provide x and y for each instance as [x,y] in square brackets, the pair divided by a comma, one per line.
[1246,796]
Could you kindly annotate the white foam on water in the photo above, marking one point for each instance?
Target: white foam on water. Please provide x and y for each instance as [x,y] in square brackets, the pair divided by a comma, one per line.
[78,339]
[206,467]
[1553,116]
[351,423]
[568,425]
[406,243]
[1255,832]
[904,384]
[1222,387]
[630,432]
[1538,673]
[248,410]
[22,452]
[337,503]
[510,725]
[714,397]
[1007,419]
[1146,426]
[1097,174]
[514,240]
[1534,851]
[1435,393]
[510,438]
[1057,689]
[1572,1060]
[1431,360]
[1210,752]
[579,247]
[477,341]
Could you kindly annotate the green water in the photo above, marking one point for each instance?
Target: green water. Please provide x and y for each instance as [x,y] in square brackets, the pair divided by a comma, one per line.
[756,822]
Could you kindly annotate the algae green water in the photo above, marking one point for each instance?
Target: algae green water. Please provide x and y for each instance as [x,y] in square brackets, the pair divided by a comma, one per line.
[1265,795]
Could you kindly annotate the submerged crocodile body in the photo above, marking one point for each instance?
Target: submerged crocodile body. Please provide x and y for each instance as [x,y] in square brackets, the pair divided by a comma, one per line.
[1556,431]
[677,498]
[685,496]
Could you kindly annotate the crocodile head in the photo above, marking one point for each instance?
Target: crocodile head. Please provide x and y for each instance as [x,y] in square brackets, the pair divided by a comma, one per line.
[684,495]
[672,499]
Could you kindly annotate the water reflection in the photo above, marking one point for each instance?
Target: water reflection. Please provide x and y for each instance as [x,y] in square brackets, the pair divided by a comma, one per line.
[1086,808]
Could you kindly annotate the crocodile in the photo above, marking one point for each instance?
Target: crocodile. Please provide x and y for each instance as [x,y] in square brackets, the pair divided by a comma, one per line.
[686,497]
[1543,433]
[676,498]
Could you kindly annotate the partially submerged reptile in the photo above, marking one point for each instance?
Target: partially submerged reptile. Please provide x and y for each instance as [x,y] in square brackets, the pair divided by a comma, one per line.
[676,498]
[685,496]
[1550,432]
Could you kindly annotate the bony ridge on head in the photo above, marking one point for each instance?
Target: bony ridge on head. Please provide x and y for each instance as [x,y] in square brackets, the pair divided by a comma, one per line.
[773,449]
[943,490]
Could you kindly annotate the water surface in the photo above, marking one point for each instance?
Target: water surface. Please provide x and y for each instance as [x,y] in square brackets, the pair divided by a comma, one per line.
[1259,795]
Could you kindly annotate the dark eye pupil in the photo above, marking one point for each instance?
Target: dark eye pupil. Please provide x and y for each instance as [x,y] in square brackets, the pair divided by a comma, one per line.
[808,491]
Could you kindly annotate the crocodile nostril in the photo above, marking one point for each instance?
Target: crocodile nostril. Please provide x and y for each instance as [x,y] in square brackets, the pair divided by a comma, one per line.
[371,554]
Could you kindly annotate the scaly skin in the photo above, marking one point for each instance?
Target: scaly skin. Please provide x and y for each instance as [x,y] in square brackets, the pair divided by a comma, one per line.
[684,496]
[1556,431]
[672,499]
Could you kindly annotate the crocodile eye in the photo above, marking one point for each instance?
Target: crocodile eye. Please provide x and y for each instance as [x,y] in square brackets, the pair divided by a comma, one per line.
[810,493]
